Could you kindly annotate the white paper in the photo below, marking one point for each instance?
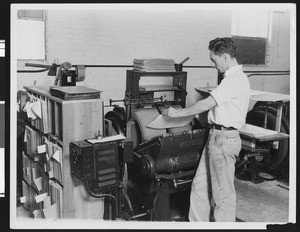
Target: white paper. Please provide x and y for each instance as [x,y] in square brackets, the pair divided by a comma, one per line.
[23,199]
[51,174]
[162,122]
[25,134]
[30,113]
[38,183]
[107,139]
[41,149]
[37,108]
[47,202]
[40,197]
[56,156]
[25,108]
[51,212]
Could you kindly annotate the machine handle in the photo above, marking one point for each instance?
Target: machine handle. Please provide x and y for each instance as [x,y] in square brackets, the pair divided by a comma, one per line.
[138,155]
[176,183]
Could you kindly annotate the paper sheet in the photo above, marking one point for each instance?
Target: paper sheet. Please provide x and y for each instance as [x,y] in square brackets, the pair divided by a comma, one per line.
[51,212]
[162,122]
[47,202]
[51,175]
[38,183]
[37,108]
[41,149]
[57,156]
[23,199]
[40,197]
[107,139]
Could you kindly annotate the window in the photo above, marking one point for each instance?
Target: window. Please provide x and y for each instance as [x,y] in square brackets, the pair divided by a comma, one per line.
[251,31]
[31,34]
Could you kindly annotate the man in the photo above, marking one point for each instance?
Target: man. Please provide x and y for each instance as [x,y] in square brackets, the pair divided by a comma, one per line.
[213,196]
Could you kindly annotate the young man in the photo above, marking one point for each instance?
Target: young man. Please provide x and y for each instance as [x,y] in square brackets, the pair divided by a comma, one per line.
[213,196]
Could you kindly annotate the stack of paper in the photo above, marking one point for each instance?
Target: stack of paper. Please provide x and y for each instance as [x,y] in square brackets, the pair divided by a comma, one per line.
[154,65]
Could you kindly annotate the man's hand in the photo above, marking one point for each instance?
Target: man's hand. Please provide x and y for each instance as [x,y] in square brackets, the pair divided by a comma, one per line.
[171,112]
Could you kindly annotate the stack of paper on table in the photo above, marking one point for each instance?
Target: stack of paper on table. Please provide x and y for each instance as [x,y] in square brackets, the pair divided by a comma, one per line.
[154,65]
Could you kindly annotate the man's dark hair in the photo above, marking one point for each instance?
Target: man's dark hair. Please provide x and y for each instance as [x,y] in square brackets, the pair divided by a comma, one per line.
[223,45]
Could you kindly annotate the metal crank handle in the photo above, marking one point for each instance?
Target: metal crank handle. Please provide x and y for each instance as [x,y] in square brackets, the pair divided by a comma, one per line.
[181,182]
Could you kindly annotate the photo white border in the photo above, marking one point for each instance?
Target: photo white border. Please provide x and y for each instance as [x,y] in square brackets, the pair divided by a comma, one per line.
[92,224]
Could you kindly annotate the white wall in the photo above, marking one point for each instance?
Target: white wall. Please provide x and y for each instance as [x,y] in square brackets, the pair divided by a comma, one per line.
[115,37]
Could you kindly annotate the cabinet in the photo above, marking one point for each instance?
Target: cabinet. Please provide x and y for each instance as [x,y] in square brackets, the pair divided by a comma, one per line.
[137,96]
[63,121]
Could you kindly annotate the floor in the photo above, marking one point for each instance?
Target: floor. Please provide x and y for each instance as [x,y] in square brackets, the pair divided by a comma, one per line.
[264,202]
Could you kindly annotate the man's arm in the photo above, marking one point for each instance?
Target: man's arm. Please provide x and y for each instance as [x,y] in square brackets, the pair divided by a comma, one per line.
[197,108]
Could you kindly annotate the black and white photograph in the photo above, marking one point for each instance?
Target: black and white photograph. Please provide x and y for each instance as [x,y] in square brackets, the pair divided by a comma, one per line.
[158,116]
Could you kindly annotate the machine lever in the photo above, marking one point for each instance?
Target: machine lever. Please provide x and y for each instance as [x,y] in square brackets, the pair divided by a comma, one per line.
[181,182]
[139,215]
[138,155]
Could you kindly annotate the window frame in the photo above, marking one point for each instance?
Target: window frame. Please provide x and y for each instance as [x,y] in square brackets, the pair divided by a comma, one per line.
[43,19]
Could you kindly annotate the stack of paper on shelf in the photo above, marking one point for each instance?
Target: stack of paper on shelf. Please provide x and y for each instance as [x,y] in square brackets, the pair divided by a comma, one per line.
[154,65]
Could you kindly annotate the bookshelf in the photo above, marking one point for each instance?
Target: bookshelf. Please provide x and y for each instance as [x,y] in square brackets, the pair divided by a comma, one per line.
[47,180]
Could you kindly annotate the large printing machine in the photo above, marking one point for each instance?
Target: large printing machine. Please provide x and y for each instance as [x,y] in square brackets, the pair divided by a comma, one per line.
[149,173]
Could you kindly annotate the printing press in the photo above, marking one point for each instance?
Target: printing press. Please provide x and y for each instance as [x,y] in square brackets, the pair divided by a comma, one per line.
[163,167]
[148,175]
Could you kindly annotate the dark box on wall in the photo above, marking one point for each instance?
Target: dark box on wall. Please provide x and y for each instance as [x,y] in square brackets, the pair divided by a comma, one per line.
[82,160]
[96,163]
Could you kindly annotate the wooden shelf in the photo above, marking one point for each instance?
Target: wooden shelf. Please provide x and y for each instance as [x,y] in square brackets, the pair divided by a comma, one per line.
[72,120]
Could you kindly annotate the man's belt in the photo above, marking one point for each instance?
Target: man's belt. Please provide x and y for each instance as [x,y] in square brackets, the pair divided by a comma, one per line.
[220,127]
